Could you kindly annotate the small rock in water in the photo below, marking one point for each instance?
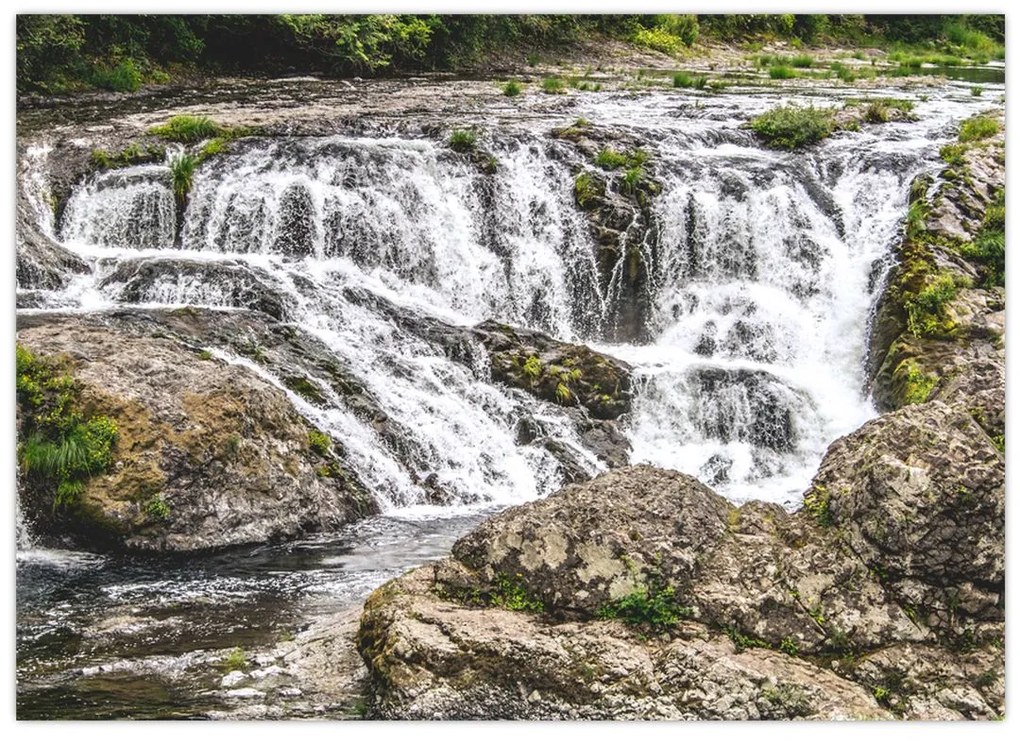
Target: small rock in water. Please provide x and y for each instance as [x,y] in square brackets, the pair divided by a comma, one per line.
[265,660]
[232,679]
[289,692]
[268,672]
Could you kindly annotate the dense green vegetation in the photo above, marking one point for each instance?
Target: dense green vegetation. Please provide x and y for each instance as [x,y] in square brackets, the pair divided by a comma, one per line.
[60,446]
[121,52]
[656,607]
[789,127]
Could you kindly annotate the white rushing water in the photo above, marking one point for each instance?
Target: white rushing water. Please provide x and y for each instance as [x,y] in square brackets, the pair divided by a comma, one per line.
[763,269]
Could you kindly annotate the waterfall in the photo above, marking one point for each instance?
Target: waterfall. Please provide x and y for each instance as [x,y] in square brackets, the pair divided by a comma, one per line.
[761,276]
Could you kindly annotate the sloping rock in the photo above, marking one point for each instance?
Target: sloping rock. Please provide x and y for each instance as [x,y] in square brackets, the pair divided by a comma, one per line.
[208,454]
[733,613]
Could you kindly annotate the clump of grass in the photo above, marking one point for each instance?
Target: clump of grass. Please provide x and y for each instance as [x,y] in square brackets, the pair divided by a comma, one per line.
[790,127]
[157,508]
[656,607]
[188,129]
[462,140]
[687,80]
[989,247]
[803,60]
[816,503]
[510,594]
[631,177]
[843,72]
[130,155]
[235,661]
[976,90]
[553,85]
[182,174]
[305,388]
[782,72]
[609,159]
[512,88]
[978,128]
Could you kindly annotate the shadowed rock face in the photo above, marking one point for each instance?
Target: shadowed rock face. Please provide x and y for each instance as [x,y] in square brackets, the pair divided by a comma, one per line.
[223,449]
[774,615]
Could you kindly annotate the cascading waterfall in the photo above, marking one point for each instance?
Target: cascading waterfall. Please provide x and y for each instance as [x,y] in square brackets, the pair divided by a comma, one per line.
[761,273]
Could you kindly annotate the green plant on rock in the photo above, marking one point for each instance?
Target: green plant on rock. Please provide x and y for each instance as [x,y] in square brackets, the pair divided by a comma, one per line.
[182,174]
[789,646]
[306,389]
[816,502]
[609,159]
[587,189]
[782,72]
[512,88]
[790,127]
[655,606]
[917,385]
[744,642]
[631,178]
[989,247]
[687,80]
[319,442]
[236,660]
[462,140]
[510,594]
[927,308]
[157,508]
[563,394]
[532,368]
[60,448]
[978,128]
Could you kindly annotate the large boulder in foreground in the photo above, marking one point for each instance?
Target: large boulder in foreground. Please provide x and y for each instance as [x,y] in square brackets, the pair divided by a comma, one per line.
[643,594]
[207,454]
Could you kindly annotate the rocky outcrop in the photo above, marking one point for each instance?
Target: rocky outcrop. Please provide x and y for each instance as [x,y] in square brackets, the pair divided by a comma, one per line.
[207,454]
[643,594]
[939,327]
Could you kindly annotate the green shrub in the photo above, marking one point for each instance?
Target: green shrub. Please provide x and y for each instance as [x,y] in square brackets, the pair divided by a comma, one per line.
[978,128]
[658,39]
[182,173]
[462,140]
[553,85]
[790,127]
[319,442]
[782,72]
[157,508]
[657,607]
[187,129]
[512,88]
[123,78]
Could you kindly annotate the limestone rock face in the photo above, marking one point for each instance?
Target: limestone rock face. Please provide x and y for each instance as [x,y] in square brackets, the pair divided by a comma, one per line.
[818,614]
[221,450]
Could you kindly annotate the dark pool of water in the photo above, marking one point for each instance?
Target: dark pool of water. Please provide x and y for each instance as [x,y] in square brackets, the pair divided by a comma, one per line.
[115,637]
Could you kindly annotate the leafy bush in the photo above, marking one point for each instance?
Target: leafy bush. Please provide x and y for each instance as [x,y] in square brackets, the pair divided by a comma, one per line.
[553,85]
[512,88]
[125,77]
[978,128]
[658,39]
[790,127]
[781,72]
[462,140]
[657,607]
[187,129]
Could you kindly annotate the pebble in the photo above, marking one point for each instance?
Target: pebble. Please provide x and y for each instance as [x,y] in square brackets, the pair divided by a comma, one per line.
[232,679]
[245,692]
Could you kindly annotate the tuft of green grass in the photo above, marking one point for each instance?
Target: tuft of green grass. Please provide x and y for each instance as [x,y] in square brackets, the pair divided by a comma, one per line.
[803,60]
[587,189]
[687,80]
[816,503]
[182,173]
[235,661]
[989,247]
[512,88]
[978,128]
[157,508]
[790,127]
[609,159]
[462,140]
[782,72]
[553,85]
[510,594]
[976,90]
[631,177]
[188,129]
